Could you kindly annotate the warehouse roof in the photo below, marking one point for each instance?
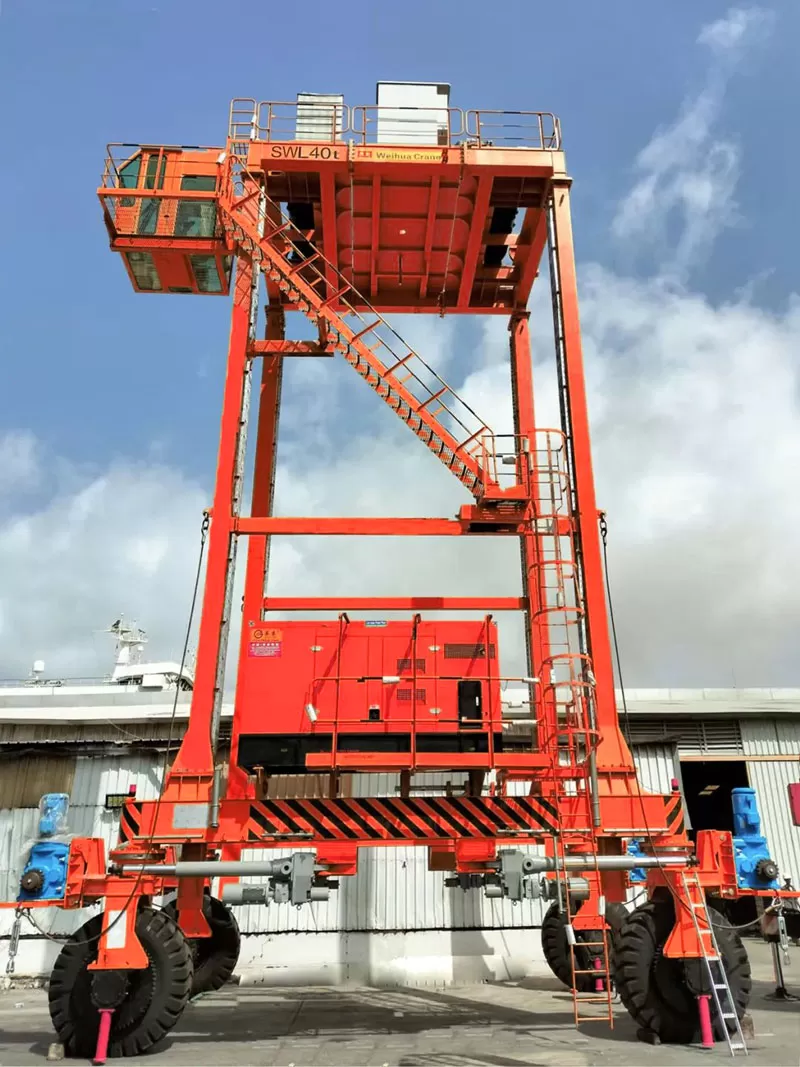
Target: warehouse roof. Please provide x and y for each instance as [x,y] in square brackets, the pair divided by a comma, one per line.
[134,718]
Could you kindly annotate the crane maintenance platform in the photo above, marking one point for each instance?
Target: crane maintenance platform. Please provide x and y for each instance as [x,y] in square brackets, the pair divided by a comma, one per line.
[344,216]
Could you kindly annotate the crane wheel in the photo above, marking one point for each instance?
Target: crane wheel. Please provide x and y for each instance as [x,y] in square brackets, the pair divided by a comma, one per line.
[556,949]
[214,957]
[660,993]
[147,1003]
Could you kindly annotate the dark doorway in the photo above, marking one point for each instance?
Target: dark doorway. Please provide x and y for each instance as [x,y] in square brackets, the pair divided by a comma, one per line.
[707,786]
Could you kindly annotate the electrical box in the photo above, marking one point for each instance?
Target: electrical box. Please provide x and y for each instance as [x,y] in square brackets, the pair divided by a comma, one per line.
[413,113]
[319,117]
[367,686]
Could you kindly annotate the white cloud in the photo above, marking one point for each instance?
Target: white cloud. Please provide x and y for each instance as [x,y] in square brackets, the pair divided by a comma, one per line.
[736,29]
[697,438]
[683,196]
[695,450]
[123,540]
[19,466]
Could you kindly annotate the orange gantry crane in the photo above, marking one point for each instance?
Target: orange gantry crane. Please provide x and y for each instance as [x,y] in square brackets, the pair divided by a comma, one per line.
[346,215]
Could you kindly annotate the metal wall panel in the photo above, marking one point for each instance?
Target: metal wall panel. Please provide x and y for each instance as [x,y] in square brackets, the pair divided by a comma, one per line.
[24,779]
[771,737]
[771,780]
[93,778]
[655,766]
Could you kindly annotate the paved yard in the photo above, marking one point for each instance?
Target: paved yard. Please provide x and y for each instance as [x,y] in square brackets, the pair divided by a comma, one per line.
[525,1024]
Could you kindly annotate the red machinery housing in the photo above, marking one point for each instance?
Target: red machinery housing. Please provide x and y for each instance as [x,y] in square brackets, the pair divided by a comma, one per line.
[349,693]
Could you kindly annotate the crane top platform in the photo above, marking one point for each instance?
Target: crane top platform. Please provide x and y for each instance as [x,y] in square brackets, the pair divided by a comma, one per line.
[419,209]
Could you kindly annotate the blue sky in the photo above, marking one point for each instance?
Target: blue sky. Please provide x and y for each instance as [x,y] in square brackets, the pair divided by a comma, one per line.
[110,400]
[94,369]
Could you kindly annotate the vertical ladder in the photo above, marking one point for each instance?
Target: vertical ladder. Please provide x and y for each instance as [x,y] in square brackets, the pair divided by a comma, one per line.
[568,695]
[721,995]
[593,952]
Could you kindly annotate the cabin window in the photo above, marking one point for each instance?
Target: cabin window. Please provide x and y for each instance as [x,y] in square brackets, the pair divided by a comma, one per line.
[148,217]
[144,271]
[153,168]
[206,273]
[199,183]
[197,218]
[128,175]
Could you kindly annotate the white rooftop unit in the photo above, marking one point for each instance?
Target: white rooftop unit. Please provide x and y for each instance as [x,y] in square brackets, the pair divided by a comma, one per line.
[413,113]
[319,116]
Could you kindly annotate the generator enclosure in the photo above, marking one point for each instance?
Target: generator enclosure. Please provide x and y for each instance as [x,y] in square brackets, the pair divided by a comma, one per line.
[371,685]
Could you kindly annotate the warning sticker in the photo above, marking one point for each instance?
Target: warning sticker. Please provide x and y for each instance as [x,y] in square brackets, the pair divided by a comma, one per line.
[265,633]
[268,649]
[265,641]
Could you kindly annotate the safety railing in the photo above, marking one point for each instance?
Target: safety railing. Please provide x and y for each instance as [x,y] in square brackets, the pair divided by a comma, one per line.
[161,191]
[411,690]
[514,129]
[150,167]
[428,126]
[567,699]
[327,121]
[280,120]
[537,462]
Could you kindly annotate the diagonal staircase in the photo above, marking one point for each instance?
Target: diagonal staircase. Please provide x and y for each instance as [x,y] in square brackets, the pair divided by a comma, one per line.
[445,424]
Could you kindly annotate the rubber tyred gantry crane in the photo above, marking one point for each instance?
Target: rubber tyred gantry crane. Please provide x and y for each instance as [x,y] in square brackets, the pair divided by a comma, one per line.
[344,218]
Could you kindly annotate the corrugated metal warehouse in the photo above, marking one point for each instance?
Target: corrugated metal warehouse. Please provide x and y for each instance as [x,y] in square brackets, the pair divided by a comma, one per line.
[396,922]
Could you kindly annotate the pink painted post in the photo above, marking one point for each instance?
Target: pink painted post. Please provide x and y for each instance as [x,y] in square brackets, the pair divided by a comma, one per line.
[598,982]
[103,1035]
[704,1010]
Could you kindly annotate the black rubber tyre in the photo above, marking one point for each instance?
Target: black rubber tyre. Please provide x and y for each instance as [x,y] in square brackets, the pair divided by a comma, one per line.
[155,999]
[214,957]
[556,949]
[660,993]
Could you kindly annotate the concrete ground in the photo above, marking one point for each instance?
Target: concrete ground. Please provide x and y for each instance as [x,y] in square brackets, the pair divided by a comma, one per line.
[520,1024]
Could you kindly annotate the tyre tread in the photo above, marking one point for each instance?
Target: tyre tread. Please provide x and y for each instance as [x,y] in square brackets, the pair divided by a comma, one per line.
[171,991]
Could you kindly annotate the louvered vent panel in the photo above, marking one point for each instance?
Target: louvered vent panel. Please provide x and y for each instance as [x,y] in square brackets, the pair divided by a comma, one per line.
[459,651]
[405,694]
[405,665]
[694,737]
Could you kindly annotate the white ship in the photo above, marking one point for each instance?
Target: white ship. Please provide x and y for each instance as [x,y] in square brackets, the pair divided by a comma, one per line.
[136,689]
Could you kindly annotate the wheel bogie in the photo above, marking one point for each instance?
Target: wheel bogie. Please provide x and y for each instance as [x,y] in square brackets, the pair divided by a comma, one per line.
[154,998]
[660,992]
[214,957]
[557,952]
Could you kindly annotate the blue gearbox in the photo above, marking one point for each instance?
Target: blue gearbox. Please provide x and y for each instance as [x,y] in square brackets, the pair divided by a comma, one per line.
[53,811]
[637,875]
[755,869]
[45,874]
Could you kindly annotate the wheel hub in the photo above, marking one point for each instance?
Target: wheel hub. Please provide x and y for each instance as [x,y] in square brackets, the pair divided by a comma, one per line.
[109,989]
